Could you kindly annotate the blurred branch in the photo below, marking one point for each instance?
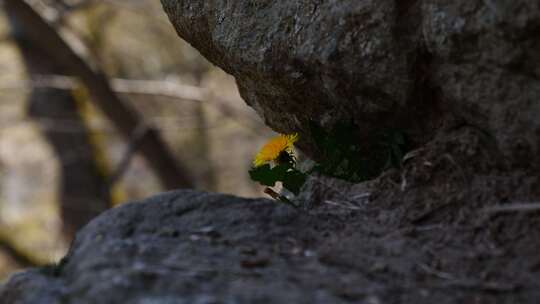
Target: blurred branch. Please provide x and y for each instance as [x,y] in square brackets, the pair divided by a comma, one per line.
[167,89]
[186,92]
[5,38]
[131,149]
[137,8]
[83,189]
[20,257]
[125,119]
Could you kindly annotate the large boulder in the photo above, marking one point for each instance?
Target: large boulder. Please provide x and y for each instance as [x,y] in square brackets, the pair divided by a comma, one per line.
[420,66]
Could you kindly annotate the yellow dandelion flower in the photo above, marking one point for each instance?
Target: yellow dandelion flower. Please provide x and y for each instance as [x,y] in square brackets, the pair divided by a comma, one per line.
[272,149]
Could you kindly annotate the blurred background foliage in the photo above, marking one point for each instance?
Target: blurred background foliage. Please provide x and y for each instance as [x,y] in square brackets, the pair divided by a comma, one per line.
[194,106]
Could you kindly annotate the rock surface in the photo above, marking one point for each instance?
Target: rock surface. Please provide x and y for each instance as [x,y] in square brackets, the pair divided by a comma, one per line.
[418,65]
[428,234]
[455,224]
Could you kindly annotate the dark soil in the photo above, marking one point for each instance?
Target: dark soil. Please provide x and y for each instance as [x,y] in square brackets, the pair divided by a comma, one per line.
[437,231]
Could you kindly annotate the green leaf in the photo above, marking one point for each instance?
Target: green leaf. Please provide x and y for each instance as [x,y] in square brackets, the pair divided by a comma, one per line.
[319,136]
[280,171]
[399,138]
[343,156]
[268,176]
[293,181]
[287,159]
[264,175]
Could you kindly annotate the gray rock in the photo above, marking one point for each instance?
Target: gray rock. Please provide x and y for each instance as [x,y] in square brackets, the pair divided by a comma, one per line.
[189,247]
[421,66]
[180,247]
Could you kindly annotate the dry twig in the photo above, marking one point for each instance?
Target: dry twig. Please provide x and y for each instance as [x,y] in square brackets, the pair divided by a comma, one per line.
[516,207]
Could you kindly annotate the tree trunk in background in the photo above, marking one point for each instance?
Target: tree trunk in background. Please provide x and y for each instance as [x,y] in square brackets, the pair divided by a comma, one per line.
[127,121]
[84,191]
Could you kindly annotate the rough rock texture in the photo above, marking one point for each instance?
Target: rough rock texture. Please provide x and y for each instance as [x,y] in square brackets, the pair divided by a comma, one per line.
[430,233]
[456,224]
[419,65]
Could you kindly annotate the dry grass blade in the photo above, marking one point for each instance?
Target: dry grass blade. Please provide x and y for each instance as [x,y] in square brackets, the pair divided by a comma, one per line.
[516,207]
